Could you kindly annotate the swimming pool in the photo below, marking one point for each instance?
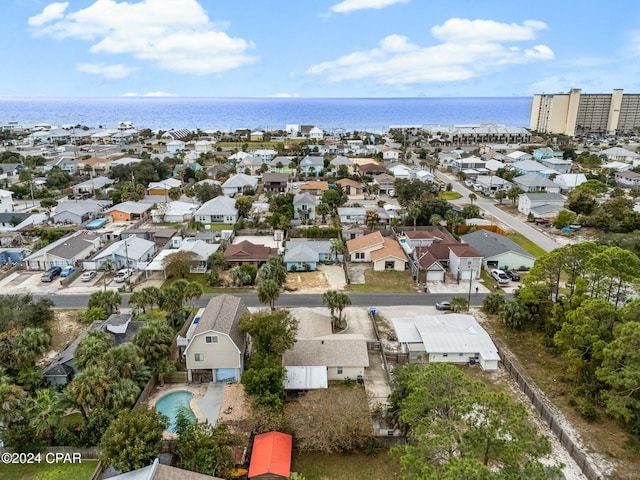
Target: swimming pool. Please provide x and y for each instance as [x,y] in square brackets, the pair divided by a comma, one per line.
[168,405]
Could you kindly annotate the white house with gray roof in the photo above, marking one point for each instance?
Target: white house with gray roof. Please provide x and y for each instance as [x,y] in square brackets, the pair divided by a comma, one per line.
[533,182]
[304,206]
[66,251]
[78,211]
[218,210]
[132,252]
[93,184]
[541,204]
[214,348]
[452,338]
[238,184]
[497,250]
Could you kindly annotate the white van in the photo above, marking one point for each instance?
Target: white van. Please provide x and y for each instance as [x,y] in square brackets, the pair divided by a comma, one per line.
[500,276]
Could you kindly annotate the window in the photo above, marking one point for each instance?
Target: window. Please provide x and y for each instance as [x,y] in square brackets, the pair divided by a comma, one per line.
[445,354]
[198,357]
[339,370]
[211,339]
[359,255]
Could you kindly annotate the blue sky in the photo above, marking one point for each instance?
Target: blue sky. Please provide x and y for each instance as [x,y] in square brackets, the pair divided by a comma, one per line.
[321,48]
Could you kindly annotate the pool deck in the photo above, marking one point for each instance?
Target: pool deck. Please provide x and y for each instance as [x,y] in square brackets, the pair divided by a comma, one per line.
[205,404]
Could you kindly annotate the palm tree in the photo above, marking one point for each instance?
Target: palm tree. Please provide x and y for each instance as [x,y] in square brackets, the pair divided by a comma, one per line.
[513,314]
[415,209]
[236,275]
[137,299]
[472,197]
[342,301]
[124,361]
[274,270]
[500,195]
[45,411]
[323,210]
[123,394]
[193,291]
[109,300]
[268,292]
[513,193]
[91,349]
[11,398]
[106,265]
[30,343]
[151,296]
[154,340]
[329,300]
[435,219]
[89,389]
[163,367]
[337,246]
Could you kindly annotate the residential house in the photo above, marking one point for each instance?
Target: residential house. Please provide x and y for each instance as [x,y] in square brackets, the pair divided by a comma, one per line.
[542,153]
[173,212]
[360,248]
[256,136]
[518,156]
[124,161]
[175,134]
[300,253]
[533,182]
[96,183]
[465,262]
[120,328]
[159,235]
[316,134]
[304,206]
[389,257]
[265,154]
[569,181]
[556,164]
[619,154]
[179,169]
[319,356]
[497,250]
[132,252]
[68,250]
[250,164]
[78,211]
[341,161]
[200,249]
[466,163]
[385,183]
[311,165]
[351,187]
[214,348]
[275,182]
[203,146]
[239,184]
[281,165]
[390,154]
[617,166]
[314,187]
[247,253]
[8,220]
[371,169]
[162,187]
[271,456]
[493,165]
[219,170]
[128,211]
[452,338]
[627,179]
[220,209]
[358,215]
[542,205]
[176,146]
[490,184]
[531,166]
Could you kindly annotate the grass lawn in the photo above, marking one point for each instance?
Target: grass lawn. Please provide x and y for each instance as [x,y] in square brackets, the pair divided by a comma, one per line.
[391,282]
[46,471]
[527,244]
[449,195]
[317,466]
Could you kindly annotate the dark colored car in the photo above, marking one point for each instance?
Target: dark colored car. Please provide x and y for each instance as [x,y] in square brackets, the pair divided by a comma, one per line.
[443,306]
[513,275]
[50,274]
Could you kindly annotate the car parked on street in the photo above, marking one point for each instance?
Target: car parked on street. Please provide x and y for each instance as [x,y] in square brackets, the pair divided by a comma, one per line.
[88,275]
[443,306]
[66,271]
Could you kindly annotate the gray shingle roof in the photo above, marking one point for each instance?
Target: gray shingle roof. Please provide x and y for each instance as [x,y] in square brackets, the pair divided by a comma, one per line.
[223,314]
[490,244]
[346,350]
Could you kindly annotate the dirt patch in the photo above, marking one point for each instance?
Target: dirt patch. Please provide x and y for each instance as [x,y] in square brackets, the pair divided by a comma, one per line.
[308,282]
[65,328]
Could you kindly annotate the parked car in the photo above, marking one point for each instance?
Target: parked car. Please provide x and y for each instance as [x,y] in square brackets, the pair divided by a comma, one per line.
[513,275]
[123,275]
[499,276]
[88,275]
[443,306]
[66,271]
[50,274]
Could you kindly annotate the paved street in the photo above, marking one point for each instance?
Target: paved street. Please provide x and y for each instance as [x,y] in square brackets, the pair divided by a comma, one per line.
[489,205]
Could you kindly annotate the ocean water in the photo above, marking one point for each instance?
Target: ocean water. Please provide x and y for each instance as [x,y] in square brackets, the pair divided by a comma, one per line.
[228,114]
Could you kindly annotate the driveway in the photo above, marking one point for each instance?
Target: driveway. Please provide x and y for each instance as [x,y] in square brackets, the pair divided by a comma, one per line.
[23,281]
[211,403]
[355,271]
[334,275]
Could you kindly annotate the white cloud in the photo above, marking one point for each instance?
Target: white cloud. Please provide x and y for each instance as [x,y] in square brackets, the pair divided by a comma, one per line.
[51,12]
[347,6]
[106,71]
[397,61]
[458,30]
[285,95]
[175,35]
[149,94]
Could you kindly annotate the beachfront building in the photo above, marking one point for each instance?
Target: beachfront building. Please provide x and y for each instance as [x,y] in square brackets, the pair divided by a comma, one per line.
[576,114]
